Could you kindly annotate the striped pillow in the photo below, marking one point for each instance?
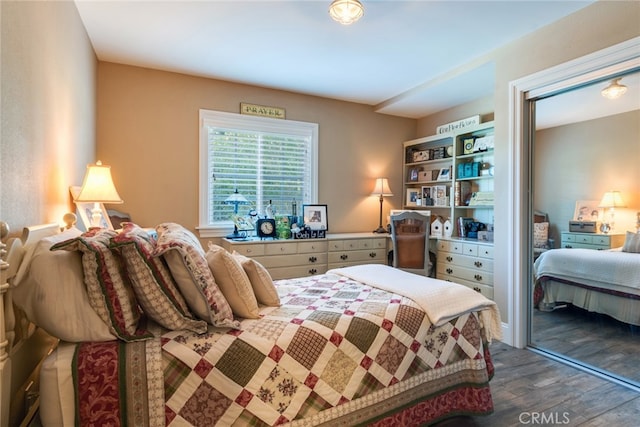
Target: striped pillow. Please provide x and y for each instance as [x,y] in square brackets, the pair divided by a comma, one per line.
[152,282]
[631,243]
[108,287]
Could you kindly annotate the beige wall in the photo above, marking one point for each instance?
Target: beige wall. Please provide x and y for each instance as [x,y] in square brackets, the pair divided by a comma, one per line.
[48,109]
[148,132]
[593,28]
[583,160]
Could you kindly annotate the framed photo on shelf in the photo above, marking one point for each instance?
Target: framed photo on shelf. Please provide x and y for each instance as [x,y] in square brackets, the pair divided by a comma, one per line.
[427,198]
[413,174]
[587,210]
[84,211]
[412,196]
[444,175]
[315,217]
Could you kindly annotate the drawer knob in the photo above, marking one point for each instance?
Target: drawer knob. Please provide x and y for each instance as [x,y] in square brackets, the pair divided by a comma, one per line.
[344,257]
[477,289]
[313,271]
[478,277]
[248,251]
[312,259]
[372,254]
[449,258]
[449,270]
[478,264]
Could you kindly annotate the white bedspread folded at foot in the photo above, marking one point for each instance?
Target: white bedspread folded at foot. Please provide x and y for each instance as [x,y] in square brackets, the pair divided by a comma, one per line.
[441,300]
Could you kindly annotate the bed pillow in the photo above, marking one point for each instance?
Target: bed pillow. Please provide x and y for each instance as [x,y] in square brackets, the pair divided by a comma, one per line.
[631,243]
[540,234]
[53,295]
[261,281]
[152,282]
[186,260]
[108,287]
[233,282]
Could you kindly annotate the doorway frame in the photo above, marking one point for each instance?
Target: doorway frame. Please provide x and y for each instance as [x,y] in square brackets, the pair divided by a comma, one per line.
[613,60]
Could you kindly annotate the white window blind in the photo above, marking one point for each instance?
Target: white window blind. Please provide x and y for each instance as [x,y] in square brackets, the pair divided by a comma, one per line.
[264,159]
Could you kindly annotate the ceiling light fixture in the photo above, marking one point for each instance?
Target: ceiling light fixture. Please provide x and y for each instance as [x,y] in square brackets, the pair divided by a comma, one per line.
[614,90]
[346,12]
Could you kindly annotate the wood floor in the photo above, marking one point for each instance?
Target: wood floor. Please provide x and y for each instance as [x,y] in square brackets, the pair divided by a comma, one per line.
[533,390]
[595,339]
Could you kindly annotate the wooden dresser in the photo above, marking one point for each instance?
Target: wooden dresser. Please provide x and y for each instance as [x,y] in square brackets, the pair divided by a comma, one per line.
[468,263]
[297,258]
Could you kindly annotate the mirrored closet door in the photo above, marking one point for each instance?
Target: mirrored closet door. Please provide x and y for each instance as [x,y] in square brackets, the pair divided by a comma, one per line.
[585,196]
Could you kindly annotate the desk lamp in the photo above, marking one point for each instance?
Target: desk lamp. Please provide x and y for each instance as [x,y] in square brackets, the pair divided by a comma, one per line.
[381,189]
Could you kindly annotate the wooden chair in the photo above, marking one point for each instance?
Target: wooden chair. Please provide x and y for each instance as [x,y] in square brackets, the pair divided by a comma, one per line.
[410,238]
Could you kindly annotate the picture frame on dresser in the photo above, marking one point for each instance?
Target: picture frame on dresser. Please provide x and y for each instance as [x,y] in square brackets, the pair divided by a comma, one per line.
[315,217]
[84,211]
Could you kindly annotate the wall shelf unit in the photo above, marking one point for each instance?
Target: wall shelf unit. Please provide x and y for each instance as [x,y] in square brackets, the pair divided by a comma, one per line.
[452,176]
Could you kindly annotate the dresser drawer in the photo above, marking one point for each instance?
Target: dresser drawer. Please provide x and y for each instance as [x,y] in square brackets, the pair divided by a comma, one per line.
[450,246]
[292,260]
[312,246]
[278,273]
[361,257]
[476,263]
[249,250]
[452,272]
[280,248]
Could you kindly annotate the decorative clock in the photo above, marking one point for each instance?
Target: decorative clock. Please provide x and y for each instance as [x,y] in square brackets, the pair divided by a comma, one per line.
[266,227]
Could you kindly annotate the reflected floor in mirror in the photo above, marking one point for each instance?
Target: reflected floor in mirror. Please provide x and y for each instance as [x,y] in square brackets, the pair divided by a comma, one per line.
[594,339]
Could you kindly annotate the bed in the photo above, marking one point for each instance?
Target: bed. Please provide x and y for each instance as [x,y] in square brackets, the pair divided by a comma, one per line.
[364,345]
[606,282]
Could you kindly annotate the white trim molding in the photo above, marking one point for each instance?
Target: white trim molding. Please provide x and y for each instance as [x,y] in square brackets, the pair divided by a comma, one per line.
[599,65]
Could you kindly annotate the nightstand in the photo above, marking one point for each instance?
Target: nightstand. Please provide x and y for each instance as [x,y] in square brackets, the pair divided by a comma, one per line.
[596,241]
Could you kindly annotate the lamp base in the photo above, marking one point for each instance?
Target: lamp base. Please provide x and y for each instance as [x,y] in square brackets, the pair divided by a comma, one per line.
[236,235]
[381,230]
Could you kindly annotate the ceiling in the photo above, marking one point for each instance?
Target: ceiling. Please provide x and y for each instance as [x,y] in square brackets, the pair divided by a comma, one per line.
[404,58]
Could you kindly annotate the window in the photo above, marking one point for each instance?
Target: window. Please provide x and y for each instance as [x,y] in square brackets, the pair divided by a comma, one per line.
[263,159]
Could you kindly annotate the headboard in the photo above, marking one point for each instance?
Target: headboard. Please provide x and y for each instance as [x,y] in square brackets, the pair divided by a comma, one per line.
[23,346]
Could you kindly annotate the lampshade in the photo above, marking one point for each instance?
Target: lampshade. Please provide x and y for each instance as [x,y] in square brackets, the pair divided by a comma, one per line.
[614,90]
[346,12]
[612,199]
[382,188]
[236,198]
[97,186]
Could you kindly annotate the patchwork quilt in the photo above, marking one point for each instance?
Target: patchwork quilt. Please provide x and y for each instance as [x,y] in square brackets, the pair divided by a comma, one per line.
[337,352]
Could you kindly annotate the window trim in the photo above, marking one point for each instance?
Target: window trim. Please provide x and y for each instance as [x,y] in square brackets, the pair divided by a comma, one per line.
[209,118]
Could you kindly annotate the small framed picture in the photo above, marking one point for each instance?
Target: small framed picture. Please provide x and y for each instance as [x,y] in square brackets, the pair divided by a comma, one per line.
[444,175]
[84,211]
[413,194]
[315,217]
[427,198]
[413,174]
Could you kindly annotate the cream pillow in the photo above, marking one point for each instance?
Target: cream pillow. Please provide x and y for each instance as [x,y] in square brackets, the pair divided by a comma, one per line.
[631,242]
[261,281]
[233,282]
[53,295]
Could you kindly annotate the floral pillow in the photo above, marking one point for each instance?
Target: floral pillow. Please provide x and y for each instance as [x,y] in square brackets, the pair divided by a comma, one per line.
[152,282]
[541,235]
[186,259]
[108,287]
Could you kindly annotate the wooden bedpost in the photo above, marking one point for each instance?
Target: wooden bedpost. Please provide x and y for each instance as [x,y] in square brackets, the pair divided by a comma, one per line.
[5,362]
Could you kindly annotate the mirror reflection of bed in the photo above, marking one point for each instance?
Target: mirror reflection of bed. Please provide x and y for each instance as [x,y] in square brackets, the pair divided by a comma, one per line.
[594,322]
